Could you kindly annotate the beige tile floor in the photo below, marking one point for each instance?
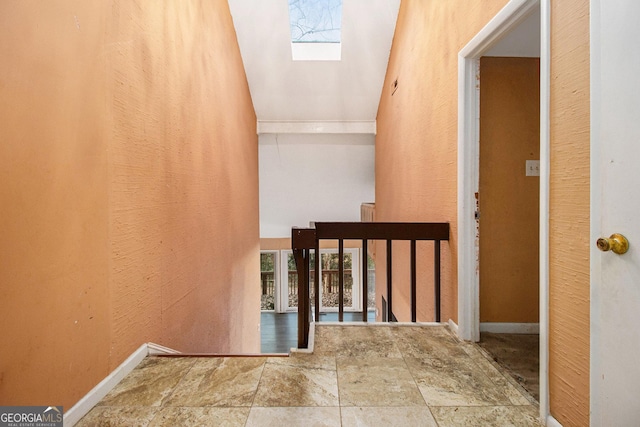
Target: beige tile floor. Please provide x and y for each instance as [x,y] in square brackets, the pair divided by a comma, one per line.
[357,376]
[517,354]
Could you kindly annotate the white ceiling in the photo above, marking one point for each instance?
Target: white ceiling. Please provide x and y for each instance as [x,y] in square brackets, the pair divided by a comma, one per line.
[315,91]
[332,96]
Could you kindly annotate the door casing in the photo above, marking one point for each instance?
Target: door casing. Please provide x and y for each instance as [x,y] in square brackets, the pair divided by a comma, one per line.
[468,326]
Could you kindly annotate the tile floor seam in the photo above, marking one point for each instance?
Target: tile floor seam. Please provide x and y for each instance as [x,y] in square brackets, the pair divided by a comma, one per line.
[413,377]
[335,362]
[411,371]
[505,374]
[485,375]
[255,392]
[501,370]
[248,415]
[433,416]
[253,398]
[173,389]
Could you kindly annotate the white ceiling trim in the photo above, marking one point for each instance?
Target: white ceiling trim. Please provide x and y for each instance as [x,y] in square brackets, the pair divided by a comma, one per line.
[280,127]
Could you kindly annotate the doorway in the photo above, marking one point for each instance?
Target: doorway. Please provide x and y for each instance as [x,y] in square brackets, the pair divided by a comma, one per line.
[506,29]
[508,206]
[508,195]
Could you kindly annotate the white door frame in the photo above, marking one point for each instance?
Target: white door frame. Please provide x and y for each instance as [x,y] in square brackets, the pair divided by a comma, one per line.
[507,19]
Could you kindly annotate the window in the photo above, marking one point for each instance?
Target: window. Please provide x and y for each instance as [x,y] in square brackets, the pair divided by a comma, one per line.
[330,277]
[328,282]
[268,279]
[289,290]
[315,29]
[279,280]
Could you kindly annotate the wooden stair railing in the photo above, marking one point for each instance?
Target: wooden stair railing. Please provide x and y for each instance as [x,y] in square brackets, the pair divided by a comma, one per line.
[306,240]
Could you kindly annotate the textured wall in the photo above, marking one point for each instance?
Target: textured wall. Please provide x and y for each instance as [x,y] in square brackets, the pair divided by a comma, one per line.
[569,216]
[416,164]
[183,200]
[509,200]
[129,194]
[416,144]
[54,299]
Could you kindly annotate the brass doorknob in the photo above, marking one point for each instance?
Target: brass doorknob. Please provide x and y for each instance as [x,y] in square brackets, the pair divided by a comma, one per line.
[616,243]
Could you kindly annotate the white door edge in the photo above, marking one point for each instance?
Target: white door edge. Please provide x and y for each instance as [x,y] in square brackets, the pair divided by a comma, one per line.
[595,210]
[509,17]
[545,146]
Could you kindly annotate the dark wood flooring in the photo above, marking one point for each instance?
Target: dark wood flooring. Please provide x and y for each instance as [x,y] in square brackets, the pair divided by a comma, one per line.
[279,331]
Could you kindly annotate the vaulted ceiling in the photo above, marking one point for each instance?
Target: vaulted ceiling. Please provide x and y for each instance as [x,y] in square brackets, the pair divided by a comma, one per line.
[330,96]
[287,91]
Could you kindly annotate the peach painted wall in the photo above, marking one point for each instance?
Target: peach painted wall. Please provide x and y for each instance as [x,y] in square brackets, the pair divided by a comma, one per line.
[416,164]
[569,214]
[508,199]
[185,231]
[54,299]
[129,195]
[416,143]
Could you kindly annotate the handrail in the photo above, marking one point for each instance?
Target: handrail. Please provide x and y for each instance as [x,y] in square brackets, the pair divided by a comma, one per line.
[304,240]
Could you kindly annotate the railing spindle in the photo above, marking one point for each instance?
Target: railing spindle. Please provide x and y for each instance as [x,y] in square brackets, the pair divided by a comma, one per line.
[389,281]
[341,281]
[302,265]
[316,282]
[436,262]
[365,280]
[413,282]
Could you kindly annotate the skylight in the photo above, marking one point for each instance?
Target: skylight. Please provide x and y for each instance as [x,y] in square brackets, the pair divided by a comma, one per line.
[315,29]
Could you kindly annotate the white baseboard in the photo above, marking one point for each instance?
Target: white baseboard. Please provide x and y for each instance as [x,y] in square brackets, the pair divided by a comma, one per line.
[552,422]
[84,405]
[156,349]
[510,328]
[454,327]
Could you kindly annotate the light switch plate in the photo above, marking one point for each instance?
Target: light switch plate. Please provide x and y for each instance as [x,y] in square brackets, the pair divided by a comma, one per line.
[532,167]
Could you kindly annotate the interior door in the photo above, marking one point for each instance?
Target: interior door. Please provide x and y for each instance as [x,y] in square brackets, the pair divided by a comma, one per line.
[615,200]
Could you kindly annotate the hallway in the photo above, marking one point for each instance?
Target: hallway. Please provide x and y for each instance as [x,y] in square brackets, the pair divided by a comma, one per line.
[357,375]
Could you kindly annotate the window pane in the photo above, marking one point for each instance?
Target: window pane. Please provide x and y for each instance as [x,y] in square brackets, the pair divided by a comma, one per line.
[267,280]
[315,21]
[330,280]
[371,279]
[292,279]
